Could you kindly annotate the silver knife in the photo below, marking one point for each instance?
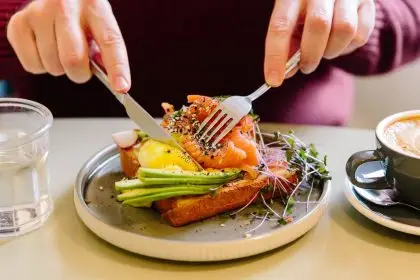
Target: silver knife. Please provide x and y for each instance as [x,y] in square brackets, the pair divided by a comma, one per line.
[139,115]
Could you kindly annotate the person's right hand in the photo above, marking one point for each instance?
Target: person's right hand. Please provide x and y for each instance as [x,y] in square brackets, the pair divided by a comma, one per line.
[51,36]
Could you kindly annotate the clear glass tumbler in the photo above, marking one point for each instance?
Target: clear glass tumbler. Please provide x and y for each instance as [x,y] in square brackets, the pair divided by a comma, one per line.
[25,202]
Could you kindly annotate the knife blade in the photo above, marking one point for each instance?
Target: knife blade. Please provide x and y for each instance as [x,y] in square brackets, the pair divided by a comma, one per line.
[139,115]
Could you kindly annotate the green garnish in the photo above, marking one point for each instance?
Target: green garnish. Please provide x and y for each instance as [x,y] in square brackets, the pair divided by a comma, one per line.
[221,98]
[282,221]
[303,158]
[142,135]
[289,208]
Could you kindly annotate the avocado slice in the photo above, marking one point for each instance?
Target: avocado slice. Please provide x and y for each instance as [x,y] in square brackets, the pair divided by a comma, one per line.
[129,184]
[134,192]
[144,183]
[143,172]
[199,181]
[141,200]
[187,189]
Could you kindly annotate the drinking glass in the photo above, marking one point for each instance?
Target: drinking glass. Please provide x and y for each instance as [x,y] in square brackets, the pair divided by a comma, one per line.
[25,202]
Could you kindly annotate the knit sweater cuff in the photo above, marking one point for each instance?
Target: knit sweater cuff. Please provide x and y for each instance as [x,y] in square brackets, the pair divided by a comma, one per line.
[7,9]
[369,55]
[7,56]
[393,42]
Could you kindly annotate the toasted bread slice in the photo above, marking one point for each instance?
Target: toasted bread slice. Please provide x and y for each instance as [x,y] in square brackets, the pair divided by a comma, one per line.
[129,160]
[185,210]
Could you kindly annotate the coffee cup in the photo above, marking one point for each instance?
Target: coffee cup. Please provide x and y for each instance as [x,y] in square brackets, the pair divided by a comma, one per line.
[398,152]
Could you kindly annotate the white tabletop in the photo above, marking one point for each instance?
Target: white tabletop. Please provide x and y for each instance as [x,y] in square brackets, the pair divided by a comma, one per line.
[344,245]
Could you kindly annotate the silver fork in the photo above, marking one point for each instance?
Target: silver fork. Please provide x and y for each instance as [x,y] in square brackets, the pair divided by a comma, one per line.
[229,112]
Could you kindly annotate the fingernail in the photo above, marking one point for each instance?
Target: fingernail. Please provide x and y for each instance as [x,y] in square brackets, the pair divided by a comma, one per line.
[121,84]
[330,56]
[351,48]
[307,69]
[292,73]
[273,78]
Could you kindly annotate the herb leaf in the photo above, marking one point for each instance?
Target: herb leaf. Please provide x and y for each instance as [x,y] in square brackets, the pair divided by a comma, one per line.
[289,209]
[282,221]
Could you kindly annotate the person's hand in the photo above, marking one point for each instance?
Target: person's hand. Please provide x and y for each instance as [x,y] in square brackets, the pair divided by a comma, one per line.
[330,28]
[50,36]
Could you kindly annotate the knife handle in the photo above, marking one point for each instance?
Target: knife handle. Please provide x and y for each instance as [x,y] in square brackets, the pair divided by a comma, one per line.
[95,55]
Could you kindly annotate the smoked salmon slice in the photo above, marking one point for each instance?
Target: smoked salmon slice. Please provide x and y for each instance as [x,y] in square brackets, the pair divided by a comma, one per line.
[237,149]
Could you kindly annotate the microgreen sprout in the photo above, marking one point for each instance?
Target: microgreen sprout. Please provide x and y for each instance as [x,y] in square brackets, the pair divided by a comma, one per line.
[302,160]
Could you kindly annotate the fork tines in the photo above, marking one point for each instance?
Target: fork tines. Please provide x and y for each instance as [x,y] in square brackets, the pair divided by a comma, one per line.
[217,122]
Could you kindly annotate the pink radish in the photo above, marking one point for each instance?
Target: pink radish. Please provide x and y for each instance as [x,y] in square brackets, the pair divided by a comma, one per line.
[125,139]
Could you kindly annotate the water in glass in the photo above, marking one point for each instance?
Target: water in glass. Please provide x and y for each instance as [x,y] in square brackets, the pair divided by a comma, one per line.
[25,202]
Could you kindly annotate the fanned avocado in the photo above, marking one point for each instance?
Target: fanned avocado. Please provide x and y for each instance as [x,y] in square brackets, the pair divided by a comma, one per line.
[148,177]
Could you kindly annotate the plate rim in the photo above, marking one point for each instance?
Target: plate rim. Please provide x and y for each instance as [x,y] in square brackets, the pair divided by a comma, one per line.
[306,222]
[376,217]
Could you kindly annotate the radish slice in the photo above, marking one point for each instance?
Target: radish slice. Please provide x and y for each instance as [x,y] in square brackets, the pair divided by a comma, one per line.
[125,139]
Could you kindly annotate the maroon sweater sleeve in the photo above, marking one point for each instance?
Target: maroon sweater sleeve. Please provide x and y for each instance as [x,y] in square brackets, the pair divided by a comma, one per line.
[394,42]
[9,64]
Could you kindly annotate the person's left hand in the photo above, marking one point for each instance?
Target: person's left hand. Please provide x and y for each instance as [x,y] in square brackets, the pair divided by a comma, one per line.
[330,28]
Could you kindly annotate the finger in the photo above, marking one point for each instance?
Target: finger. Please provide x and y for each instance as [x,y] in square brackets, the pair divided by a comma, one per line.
[319,14]
[71,42]
[22,40]
[107,34]
[344,27]
[282,24]
[291,73]
[365,26]
[42,22]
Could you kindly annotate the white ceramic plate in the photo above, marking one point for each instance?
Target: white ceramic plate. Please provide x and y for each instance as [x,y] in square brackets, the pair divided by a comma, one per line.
[398,218]
[142,231]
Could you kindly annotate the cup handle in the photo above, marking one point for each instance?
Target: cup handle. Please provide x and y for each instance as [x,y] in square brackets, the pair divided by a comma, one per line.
[360,158]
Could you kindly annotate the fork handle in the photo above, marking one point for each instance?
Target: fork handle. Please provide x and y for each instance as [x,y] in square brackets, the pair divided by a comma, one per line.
[291,64]
[260,91]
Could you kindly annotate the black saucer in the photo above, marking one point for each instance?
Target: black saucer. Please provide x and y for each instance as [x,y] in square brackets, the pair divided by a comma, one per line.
[397,217]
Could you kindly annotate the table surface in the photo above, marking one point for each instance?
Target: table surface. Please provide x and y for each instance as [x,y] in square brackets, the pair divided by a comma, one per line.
[343,245]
